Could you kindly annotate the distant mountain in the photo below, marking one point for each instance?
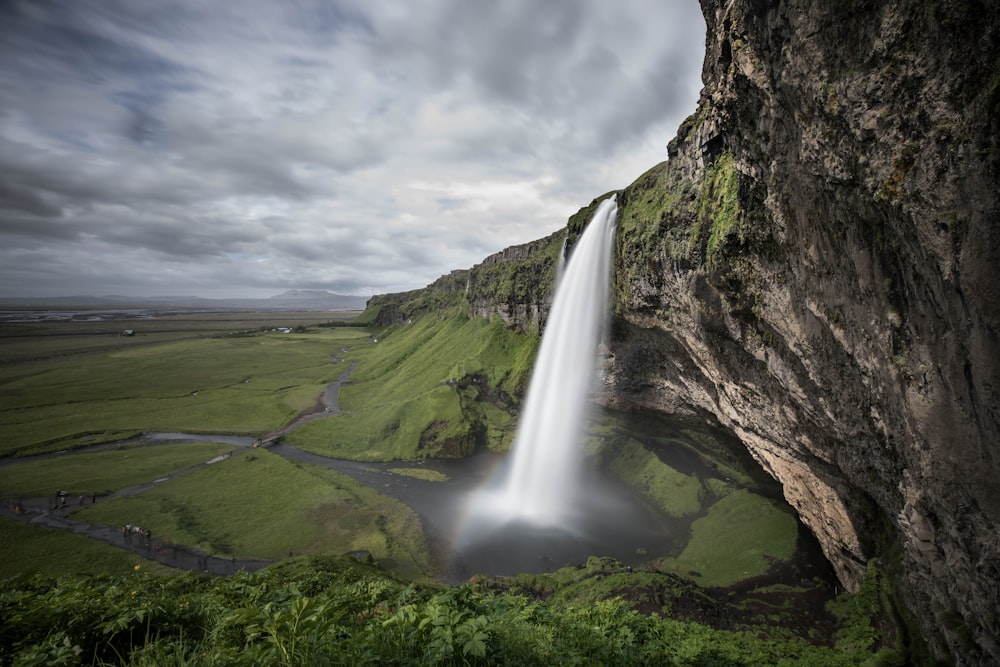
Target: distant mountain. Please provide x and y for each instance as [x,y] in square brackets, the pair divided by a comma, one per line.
[307,299]
[290,300]
[320,298]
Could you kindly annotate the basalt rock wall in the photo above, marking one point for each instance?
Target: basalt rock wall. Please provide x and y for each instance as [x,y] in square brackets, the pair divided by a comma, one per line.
[816,268]
[514,285]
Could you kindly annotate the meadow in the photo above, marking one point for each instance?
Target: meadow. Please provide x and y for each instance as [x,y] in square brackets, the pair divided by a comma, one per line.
[85,384]
[50,552]
[220,380]
[102,472]
[432,388]
[260,505]
[426,389]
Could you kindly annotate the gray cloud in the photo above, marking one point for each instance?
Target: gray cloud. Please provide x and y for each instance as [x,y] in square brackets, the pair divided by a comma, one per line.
[350,145]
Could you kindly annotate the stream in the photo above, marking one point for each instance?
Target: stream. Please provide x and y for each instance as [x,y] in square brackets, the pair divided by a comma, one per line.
[611,520]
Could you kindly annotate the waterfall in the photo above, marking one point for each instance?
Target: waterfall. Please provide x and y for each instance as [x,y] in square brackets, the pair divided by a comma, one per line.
[542,480]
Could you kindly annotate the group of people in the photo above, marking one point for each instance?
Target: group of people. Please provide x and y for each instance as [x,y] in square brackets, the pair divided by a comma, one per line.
[144,536]
[60,501]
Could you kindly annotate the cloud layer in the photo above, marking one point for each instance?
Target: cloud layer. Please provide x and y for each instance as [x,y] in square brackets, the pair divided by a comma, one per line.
[360,146]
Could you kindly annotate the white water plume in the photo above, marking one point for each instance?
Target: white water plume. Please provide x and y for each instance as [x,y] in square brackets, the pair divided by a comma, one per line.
[542,482]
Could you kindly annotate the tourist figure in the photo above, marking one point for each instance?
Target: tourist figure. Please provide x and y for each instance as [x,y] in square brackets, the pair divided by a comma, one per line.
[149,537]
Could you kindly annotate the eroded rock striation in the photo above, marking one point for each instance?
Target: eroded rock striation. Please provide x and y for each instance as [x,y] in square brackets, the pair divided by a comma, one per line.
[815,268]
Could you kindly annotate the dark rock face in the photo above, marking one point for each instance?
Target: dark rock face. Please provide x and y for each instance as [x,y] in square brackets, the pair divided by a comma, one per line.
[817,269]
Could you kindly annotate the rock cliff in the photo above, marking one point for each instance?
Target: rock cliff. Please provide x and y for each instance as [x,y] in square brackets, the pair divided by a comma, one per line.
[815,268]
[514,284]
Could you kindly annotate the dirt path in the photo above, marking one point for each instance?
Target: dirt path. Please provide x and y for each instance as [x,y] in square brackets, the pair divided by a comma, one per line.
[172,555]
[39,512]
[326,406]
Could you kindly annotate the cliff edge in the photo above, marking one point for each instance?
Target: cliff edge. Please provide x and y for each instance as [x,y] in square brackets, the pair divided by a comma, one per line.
[816,268]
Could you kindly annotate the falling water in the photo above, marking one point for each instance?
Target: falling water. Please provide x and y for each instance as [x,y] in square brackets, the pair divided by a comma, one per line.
[541,483]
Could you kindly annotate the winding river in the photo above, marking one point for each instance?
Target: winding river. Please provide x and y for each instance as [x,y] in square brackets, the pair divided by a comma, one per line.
[617,523]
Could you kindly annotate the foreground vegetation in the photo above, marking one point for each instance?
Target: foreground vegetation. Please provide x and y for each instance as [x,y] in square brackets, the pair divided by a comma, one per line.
[332,611]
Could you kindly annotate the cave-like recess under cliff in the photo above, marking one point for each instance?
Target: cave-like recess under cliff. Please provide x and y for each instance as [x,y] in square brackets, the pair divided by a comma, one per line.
[815,268]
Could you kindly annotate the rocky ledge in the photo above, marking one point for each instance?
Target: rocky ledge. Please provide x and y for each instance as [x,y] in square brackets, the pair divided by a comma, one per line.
[816,269]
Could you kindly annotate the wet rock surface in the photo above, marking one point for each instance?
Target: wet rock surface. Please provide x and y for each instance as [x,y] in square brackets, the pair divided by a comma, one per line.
[843,321]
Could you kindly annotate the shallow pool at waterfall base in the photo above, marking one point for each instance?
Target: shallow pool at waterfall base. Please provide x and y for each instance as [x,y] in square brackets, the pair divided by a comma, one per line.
[610,522]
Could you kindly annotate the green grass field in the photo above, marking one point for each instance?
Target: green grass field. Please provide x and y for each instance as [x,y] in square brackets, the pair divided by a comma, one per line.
[24,341]
[259,505]
[422,390]
[251,384]
[29,549]
[89,473]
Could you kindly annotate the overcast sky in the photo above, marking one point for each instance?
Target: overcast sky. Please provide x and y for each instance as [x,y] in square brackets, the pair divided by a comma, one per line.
[155,147]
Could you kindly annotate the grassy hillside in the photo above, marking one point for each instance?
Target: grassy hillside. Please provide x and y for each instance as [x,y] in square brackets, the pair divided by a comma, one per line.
[429,388]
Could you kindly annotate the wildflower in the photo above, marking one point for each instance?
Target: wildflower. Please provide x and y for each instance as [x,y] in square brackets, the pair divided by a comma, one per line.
[138,568]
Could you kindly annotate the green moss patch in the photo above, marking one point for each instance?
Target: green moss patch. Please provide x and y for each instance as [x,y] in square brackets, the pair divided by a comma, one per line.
[741,536]
[421,473]
[675,493]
